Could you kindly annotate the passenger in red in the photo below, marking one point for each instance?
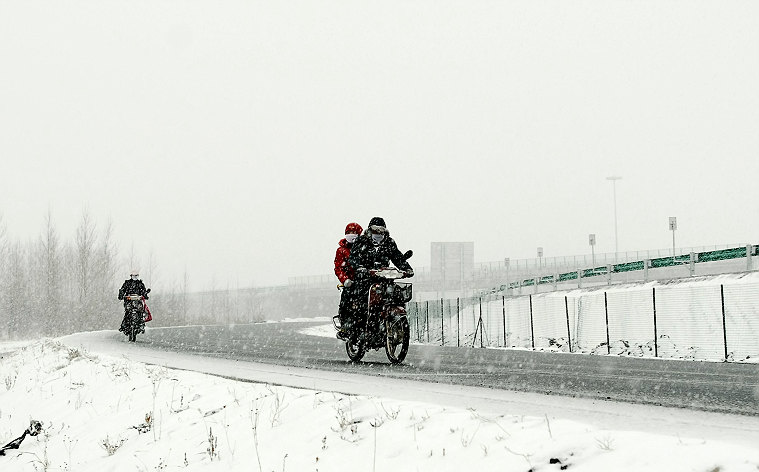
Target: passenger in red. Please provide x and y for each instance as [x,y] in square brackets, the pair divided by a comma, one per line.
[345,275]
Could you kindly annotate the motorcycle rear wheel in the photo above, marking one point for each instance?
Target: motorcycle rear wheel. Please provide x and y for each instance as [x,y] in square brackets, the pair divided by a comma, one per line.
[397,340]
[132,333]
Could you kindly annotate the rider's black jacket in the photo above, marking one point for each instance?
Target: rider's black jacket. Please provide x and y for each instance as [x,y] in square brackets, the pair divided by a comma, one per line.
[132,287]
[364,254]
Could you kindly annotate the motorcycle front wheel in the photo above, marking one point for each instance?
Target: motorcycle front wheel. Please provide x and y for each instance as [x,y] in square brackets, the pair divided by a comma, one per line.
[134,327]
[355,350]
[396,342]
[132,333]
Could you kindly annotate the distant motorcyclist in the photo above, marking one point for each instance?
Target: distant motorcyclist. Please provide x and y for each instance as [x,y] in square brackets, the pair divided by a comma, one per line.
[374,249]
[132,286]
[346,276]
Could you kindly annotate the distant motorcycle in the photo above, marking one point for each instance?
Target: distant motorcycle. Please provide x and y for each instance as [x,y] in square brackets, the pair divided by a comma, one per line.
[386,324]
[135,315]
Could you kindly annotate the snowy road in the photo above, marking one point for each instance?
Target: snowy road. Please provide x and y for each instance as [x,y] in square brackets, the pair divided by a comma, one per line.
[739,429]
[718,387]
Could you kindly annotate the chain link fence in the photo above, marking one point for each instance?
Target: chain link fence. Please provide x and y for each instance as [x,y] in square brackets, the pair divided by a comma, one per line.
[684,320]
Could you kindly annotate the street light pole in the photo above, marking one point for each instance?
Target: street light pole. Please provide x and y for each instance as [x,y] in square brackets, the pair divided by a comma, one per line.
[506,263]
[540,257]
[614,179]
[673,228]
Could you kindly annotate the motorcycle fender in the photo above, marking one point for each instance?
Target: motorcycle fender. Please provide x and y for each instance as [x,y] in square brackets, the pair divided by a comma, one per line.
[394,313]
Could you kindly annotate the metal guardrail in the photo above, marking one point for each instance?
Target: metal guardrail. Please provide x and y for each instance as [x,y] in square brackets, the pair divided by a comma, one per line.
[659,262]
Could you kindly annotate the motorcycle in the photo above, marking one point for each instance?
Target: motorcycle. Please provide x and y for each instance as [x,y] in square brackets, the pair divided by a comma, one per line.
[386,324]
[135,316]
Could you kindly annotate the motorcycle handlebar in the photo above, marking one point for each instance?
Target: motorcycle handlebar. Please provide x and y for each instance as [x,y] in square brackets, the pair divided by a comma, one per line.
[375,272]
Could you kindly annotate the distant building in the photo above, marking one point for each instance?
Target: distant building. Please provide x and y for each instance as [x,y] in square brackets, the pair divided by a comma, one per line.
[452,265]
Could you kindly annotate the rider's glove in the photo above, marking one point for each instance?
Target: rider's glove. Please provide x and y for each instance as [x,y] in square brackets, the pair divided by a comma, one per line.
[410,272]
[347,283]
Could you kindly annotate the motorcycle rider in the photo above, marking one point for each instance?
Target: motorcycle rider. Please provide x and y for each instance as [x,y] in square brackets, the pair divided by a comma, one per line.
[132,286]
[374,249]
[346,276]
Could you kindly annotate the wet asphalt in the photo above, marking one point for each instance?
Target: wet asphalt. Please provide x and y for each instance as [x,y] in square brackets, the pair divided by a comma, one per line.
[709,386]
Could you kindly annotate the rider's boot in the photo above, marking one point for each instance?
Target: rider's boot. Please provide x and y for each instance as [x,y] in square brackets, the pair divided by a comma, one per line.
[343,332]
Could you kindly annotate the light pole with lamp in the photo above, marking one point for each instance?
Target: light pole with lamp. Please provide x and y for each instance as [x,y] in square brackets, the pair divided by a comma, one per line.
[614,179]
[540,258]
[506,263]
[673,228]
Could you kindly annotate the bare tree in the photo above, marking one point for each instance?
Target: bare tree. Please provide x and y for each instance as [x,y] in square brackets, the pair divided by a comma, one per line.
[16,290]
[105,279]
[153,269]
[184,289]
[85,261]
[3,238]
[49,257]
[3,263]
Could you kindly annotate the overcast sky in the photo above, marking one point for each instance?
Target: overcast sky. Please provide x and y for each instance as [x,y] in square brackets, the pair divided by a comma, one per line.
[237,138]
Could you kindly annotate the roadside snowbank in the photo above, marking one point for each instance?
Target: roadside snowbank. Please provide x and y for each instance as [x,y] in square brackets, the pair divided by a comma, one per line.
[107,413]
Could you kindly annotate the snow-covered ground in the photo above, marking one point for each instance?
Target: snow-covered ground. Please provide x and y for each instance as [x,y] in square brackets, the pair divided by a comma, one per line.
[109,406]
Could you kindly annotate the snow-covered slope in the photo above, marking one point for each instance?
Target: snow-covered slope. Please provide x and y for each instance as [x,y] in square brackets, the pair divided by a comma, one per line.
[103,412]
